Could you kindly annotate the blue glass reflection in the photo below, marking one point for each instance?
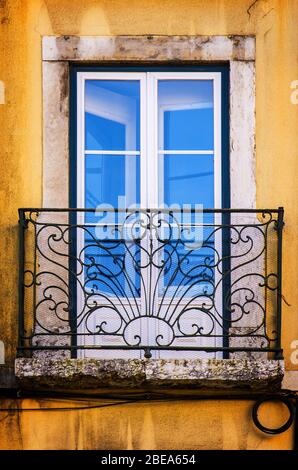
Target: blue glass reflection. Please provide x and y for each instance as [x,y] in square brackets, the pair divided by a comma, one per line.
[189,272]
[109,265]
[112,115]
[188,179]
[186,111]
[111,180]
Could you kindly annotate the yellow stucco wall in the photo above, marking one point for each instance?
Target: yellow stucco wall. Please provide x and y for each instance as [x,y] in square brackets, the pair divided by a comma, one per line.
[179,425]
[22,25]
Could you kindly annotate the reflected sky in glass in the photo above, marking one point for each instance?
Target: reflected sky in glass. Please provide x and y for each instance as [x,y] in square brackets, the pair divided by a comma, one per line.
[188,179]
[112,115]
[108,177]
[104,265]
[185,109]
[185,122]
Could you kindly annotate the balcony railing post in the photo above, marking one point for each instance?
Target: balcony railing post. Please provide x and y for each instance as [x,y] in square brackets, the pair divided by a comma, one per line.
[226,273]
[279,228]
[73,284]
[21,319]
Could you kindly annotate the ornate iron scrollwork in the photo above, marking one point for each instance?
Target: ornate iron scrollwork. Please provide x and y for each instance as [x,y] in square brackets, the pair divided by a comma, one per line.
[151,280]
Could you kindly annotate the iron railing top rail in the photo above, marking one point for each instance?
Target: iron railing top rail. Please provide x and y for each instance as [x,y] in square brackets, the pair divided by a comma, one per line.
[157,209]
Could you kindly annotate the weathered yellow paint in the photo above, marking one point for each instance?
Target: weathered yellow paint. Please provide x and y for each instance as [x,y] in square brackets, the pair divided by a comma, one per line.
[201,425]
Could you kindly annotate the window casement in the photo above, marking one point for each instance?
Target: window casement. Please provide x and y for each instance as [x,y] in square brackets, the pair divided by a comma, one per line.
[148,140]
[141,130]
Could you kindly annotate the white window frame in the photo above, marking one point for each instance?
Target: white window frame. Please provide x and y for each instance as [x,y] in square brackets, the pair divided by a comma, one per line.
[149,151]
[148,126]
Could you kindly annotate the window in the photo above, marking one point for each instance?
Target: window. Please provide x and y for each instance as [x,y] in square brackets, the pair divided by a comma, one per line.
[145,139]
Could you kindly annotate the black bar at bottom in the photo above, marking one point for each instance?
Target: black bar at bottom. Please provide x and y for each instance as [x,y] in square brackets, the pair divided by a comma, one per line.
[137,459]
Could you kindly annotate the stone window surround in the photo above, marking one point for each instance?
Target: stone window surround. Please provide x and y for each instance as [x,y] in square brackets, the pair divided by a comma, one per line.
[57,54]
[59,51]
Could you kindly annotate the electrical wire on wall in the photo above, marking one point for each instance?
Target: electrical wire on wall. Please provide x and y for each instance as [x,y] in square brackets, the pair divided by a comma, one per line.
[288,397]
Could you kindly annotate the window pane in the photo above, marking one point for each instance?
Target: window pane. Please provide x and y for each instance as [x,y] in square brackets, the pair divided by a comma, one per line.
[187,179]
[110,177]
[109,263]
[112,115]
[188,272]
[185,114]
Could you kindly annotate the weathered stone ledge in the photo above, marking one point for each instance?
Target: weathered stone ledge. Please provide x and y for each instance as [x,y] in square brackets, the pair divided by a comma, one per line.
[81,374]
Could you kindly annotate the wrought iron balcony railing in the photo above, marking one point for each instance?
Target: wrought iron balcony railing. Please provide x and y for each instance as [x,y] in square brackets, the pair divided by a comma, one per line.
[164,282]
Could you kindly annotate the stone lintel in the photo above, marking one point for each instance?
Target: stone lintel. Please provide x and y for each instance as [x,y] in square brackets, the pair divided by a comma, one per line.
[149,48]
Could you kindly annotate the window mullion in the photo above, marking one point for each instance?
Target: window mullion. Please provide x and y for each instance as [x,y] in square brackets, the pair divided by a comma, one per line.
[152,150]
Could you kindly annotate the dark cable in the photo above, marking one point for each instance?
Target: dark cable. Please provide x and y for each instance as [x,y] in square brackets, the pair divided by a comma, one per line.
[277,398]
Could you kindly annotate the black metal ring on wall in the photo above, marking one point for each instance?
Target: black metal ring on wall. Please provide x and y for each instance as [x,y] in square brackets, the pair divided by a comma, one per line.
[283,399]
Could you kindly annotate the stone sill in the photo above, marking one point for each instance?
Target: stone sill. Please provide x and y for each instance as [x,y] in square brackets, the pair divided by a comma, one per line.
[246,375]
